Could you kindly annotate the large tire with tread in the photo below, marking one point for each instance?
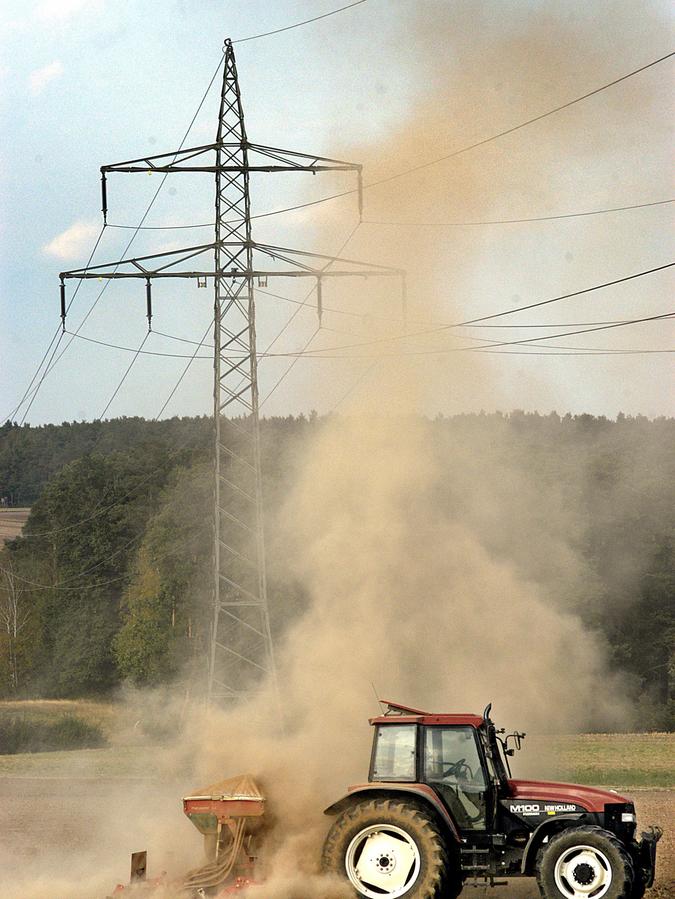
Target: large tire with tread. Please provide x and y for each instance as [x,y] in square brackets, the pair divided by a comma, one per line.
[585,861]
[388,848]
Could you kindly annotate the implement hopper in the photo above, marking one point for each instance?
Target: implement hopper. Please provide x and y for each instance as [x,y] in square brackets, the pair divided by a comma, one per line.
[228,814]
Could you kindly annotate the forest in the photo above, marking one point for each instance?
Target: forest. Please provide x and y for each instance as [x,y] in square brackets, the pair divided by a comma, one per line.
[110,581]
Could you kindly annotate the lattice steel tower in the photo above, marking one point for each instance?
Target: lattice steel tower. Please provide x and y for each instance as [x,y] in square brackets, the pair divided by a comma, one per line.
[241,650]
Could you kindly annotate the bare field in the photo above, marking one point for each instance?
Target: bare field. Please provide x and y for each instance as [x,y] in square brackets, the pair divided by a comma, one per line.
[75,816]
[12,522]
[56,827]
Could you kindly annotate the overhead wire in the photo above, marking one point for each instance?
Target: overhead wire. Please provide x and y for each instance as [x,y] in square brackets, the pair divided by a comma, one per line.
[301,352]
[102,510]
[416,320]
[490,345]
[58,337]
[474,145]
[519,221]
[185,370]
[576,350]
[370,368]
[53,362]
[504,312]
[333,12]
[302,304]
[456,224]
[81,588]
[525,124]
[128,349]
[124,376]
[416,168]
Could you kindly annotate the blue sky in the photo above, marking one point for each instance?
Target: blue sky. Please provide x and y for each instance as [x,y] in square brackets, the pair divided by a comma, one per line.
[390,83]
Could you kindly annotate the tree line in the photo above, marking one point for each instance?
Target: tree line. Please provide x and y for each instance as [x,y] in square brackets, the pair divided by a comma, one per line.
[111,579]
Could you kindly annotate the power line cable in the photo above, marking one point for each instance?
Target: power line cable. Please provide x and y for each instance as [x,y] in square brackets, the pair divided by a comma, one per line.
[183,339]
[290,367]
[85,587]
[287,372]
[418,321]
[124,376]
[576,349]
[576,352]
[494,315]
[101,510]
[474,145]
[128,349]
[185,371]
[539,218]
[329,330]
[52,364]
[58,337]
[531,121]
[391,177]
[524,341]
[334,12]
[458,224]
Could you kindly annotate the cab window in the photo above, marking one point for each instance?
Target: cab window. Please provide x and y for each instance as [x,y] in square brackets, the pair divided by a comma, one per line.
[395,752]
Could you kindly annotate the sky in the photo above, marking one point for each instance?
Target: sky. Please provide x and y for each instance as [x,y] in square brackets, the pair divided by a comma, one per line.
[388,83]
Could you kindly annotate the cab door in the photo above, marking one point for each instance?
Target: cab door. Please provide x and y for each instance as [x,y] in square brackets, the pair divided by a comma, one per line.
[453,766]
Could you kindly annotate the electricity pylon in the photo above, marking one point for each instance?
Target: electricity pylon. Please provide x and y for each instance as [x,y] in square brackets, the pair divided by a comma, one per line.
[241,649]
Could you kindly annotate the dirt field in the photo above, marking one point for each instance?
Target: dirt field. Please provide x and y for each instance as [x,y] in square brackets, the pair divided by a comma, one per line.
[80,830]
[11,523]
[69,820]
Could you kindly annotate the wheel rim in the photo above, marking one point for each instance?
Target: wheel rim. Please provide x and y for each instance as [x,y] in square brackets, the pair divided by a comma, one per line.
[382,860]
[583,872]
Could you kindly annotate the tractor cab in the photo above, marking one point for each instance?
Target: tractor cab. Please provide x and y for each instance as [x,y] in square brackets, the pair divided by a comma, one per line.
[457,756]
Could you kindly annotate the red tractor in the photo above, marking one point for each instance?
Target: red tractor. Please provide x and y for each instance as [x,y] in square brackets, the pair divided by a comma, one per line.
[441,811]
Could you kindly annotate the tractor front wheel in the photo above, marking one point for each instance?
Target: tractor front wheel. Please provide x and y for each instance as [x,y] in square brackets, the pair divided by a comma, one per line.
[389,849]
[585,862]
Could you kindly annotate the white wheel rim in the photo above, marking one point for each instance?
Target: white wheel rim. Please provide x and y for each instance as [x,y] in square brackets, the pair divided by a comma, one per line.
[583,872]
[382,860]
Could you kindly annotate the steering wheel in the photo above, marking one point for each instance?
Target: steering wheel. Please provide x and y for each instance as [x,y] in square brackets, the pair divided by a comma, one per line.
[459,769]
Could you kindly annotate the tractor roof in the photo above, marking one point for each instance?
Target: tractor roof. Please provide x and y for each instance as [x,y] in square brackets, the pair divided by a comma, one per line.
[403,714]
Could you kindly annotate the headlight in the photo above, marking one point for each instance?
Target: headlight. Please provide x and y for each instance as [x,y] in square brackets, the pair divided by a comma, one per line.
[628,818]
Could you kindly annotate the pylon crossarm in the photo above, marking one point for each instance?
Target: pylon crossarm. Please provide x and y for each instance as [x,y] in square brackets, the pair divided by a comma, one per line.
[304,162]
[285,161]
[97,271]
[232,274]
[288,161]
[287,252]
[149,161]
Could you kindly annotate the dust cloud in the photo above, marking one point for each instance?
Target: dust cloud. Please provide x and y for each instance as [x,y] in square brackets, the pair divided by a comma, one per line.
[403,596]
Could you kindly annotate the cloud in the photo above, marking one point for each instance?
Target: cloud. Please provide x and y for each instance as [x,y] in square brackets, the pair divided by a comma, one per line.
[73,242]
[40,78]
[61,10]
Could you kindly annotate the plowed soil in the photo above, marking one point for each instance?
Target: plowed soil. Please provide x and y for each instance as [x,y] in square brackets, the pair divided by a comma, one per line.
[11,522]
[53,829]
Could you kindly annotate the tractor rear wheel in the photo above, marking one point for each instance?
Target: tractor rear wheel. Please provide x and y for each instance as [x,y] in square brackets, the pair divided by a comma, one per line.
[585,862]
[388,849]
